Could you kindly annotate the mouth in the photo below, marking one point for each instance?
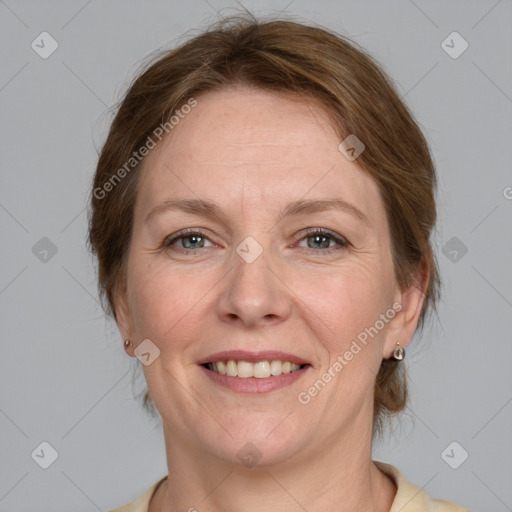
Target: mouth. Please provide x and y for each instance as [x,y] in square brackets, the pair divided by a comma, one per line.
[259,369]
[254,372]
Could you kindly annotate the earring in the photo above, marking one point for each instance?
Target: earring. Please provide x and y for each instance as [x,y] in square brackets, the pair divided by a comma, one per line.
[398,353]
[127,343]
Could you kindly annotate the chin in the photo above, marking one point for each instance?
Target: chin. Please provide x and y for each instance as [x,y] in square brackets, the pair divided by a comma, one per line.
[258,442]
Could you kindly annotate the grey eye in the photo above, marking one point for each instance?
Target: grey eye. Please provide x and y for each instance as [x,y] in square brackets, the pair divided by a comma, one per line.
[319,241]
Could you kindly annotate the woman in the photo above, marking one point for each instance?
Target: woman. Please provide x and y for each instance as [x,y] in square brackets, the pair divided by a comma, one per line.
[261,214]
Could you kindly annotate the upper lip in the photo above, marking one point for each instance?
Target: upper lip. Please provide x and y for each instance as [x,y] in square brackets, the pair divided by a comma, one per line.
[252,357]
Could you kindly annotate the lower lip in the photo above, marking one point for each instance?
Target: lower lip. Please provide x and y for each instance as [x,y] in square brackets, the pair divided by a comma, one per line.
[252,384]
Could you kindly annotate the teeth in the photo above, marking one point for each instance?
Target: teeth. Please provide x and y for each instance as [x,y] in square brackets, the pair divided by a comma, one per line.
[245,369]
[258,370]
[261,369]
[276,367]
[231,369]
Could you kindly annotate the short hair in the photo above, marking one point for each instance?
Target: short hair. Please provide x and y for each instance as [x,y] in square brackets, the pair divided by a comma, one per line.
[278,56]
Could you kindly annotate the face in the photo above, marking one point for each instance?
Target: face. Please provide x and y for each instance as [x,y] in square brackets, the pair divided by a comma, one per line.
[256,241]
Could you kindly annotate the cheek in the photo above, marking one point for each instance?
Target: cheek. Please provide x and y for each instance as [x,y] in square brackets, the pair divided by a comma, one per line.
[347,300]
[341,310]
[160,301]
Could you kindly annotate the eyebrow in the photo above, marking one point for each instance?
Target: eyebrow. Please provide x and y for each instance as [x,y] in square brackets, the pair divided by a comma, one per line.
[208,209]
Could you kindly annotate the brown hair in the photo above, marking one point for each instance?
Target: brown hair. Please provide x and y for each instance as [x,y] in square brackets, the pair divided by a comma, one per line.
[279,56]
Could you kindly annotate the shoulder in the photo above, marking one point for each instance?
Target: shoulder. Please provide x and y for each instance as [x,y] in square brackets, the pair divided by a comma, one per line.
[410,498]
[141,504]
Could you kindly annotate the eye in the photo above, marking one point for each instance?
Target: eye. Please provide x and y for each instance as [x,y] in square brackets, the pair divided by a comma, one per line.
[323,240]
[188,240]
[318,240]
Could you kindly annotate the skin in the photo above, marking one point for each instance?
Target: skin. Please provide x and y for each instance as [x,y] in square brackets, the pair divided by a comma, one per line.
[252,152]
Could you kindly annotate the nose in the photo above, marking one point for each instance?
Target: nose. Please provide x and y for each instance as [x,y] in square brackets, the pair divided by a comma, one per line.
[253,295]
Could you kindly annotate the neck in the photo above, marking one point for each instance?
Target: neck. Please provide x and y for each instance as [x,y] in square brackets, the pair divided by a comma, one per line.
[341,471]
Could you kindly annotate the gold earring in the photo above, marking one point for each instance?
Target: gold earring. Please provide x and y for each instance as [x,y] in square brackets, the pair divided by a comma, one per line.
[398,353]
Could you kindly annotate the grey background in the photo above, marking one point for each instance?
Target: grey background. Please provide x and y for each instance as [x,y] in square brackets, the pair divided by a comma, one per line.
[64,376]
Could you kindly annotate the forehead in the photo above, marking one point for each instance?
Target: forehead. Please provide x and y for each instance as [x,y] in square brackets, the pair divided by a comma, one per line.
[257,145]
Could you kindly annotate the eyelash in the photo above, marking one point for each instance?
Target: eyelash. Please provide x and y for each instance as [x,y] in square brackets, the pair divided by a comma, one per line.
[342,242]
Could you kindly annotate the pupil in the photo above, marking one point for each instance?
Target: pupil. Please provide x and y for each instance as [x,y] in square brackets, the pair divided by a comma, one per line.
[322,240]
[194,239]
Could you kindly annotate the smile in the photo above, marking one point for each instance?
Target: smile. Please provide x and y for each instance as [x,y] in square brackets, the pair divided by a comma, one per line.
[259,372]
[258,369]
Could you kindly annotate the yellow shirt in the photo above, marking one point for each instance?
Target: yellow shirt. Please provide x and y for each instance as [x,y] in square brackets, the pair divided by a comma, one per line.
[408,498]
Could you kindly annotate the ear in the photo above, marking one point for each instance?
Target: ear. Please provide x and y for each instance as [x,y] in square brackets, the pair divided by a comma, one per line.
[401,328]
[123,314]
